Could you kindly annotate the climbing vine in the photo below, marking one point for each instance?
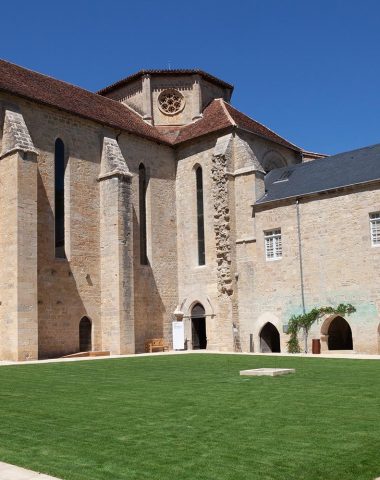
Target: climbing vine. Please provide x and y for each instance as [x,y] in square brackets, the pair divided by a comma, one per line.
[306,320]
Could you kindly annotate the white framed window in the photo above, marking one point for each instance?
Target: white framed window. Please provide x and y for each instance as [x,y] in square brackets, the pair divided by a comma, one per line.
[374,221]
[273,244]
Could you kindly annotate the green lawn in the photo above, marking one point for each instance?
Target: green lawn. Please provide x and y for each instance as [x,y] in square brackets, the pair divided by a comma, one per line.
[192,417]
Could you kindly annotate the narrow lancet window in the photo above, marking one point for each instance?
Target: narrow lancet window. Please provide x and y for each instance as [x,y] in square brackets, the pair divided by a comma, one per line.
[200,218]
[59,198]
[142,206]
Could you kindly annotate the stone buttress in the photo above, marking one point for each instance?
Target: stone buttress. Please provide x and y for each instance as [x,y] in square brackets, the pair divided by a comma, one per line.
[18,241]
[116,251]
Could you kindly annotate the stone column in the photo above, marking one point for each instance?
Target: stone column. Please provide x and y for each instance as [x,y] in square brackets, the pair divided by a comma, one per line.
[18,241]
[197,98]
[116,252]
[147,99]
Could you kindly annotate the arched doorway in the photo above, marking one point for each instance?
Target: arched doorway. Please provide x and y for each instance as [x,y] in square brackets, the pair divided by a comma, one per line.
[269,339]
[85,330]
[339,335]
[198,327]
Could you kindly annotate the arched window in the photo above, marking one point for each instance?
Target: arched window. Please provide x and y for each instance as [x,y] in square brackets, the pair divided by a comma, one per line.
[200,218]
[59,198]
[142,207]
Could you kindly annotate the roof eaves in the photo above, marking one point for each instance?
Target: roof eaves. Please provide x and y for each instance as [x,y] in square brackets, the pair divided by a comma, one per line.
[203,134]
[315,192]
[87,117]
[290,145]
[175,72]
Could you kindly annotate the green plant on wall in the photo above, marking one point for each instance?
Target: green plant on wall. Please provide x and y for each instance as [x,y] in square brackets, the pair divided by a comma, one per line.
[306,320]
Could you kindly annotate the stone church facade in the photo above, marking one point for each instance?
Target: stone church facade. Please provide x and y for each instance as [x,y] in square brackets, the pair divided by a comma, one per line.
[156,200]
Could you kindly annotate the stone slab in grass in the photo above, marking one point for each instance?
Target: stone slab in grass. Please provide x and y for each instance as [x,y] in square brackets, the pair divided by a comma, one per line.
[269,372]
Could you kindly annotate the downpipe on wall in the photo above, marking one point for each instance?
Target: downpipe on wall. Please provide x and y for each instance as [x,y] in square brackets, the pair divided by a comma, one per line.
[301,268]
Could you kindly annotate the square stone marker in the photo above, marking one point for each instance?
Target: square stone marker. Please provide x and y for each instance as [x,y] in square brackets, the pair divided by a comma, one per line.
[269,372]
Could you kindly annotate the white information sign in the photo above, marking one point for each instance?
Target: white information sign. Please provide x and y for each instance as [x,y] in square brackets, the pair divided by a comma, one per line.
[178,336]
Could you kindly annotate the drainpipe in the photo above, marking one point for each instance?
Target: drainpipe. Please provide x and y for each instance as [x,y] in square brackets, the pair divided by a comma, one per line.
[301,267]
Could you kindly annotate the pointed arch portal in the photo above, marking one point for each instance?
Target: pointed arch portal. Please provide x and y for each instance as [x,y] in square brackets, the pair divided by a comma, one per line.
[198,327]
[269,339]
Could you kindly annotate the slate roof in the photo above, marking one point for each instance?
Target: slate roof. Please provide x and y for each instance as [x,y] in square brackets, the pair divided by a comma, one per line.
[324,174]
[172,73]
[219,115]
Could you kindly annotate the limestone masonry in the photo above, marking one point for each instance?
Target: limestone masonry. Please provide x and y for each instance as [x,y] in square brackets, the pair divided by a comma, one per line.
[155,200]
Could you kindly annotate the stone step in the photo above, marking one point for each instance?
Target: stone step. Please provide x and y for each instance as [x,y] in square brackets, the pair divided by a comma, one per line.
[88,354]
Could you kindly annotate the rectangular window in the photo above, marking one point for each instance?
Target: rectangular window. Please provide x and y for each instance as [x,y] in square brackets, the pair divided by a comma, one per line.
[374,220]
[273,244]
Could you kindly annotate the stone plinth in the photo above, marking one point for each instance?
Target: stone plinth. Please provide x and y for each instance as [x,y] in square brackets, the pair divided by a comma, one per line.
[269,372]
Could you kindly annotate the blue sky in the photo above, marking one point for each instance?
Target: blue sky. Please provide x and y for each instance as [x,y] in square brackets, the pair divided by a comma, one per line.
[309,70]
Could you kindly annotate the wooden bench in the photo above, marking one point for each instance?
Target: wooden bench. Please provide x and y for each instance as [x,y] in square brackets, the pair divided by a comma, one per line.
[156,344]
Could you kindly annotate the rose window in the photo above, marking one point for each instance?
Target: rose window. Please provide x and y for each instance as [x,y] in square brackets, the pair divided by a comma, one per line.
[171,102]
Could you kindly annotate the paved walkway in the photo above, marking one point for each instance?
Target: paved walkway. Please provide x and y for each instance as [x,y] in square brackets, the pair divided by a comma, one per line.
[352,356]
[11,472]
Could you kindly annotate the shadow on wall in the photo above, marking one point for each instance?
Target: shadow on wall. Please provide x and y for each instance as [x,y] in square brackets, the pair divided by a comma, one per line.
[60,307]
[149,310]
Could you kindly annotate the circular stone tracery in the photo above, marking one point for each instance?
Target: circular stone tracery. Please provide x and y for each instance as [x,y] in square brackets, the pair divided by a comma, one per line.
[171,102]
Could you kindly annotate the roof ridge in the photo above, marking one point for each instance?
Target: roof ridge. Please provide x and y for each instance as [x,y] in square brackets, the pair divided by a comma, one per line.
[47,90]
[47,76]
[222,101]
[71,85]
[175,71]
[325,159]
[272,131]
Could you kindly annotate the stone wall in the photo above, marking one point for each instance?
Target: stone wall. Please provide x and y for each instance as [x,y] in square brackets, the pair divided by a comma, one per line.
[339,265]
[233,178]
[69,289]
[155,284]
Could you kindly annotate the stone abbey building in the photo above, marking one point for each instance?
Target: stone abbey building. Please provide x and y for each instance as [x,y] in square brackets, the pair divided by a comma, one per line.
[155,200]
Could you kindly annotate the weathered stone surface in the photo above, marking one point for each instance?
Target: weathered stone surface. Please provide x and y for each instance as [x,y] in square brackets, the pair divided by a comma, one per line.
[112,161]
[16,136]
[44,298]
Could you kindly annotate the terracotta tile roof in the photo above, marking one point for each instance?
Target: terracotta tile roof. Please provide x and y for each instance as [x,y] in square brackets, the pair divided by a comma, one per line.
[214,120]
[246,123]
[220,115]
[172,73]
[217,116]
[49,91]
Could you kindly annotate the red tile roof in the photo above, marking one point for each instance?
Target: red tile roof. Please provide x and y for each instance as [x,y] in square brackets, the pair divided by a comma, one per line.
[214,120]
[246,123]
[217,116]
[49,91]
[172,73]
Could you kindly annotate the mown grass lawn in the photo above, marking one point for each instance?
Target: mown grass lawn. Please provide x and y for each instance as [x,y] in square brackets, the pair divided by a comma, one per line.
[185,417]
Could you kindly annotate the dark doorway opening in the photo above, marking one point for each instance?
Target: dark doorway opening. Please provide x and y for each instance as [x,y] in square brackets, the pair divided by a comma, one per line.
[269,339]
[85,328]
[198,327]
[340,335]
